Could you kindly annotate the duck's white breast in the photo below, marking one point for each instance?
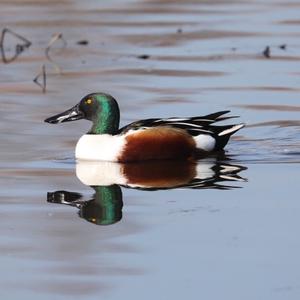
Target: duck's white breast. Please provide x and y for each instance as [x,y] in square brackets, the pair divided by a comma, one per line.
[102,147]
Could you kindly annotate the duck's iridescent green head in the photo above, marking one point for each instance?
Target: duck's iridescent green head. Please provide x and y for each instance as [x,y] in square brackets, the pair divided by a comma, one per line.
[102,109]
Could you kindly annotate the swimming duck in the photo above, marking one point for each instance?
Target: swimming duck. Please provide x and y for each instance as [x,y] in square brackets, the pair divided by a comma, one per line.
[149,139]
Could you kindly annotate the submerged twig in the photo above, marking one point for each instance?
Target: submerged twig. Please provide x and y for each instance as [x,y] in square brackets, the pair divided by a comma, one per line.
[83,42]
[143,56]
[42,74]
[267,52]
[19,47]
[282,47]
[56,37]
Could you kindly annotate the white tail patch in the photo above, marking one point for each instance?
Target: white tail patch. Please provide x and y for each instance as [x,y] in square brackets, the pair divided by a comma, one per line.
[231,130]
[205,142]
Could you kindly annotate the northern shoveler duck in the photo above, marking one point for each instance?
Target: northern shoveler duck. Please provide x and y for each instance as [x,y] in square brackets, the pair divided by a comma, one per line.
[149,139]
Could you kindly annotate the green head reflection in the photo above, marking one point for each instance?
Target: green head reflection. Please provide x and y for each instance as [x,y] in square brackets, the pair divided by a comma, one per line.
[105,208]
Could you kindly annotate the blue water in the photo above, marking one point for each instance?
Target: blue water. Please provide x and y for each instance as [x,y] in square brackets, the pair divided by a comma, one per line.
[211,243]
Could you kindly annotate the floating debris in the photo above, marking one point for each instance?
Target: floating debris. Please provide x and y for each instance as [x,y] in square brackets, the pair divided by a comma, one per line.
[83,42]
[267,52]
[19,47]
[282,47]
[143,56]
[42,75]
[56,37]
[179,30]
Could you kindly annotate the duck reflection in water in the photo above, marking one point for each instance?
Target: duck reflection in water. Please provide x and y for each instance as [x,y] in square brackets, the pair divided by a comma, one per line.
[106,178]
[105,207]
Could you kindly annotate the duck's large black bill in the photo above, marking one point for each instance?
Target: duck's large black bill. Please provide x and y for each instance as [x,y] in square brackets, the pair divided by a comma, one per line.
[72,114]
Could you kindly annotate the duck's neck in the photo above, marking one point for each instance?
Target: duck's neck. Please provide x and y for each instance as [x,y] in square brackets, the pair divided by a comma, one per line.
[106,121]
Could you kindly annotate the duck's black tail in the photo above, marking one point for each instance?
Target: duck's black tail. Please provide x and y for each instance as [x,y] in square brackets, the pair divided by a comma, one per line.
[223,133]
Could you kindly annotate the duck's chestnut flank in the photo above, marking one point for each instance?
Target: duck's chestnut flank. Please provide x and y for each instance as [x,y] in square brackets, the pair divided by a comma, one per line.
[158,143]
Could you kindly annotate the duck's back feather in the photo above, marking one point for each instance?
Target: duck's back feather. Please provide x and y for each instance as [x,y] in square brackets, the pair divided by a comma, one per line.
[207,136]
[194,125]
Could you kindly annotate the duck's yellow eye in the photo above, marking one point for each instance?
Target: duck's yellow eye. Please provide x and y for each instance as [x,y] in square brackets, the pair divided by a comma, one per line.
[88,101]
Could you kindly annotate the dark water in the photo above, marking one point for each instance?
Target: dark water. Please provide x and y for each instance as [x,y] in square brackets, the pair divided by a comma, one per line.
[233,234]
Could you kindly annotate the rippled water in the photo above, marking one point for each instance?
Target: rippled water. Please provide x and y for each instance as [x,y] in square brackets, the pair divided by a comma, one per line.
[232,234]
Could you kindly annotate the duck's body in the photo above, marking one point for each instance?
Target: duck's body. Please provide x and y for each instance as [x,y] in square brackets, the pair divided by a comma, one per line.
[150,139]
[157,143]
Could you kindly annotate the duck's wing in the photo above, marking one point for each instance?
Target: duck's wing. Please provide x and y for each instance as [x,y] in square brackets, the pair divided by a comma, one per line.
[193,125]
